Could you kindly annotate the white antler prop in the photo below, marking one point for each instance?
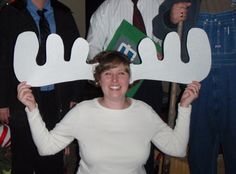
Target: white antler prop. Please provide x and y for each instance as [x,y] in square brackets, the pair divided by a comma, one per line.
[171,68]
[57,70]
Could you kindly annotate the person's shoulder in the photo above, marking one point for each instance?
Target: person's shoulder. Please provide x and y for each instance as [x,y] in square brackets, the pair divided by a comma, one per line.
[81,107]
[83,110]
[109,4]
[60,6]
[86,104]
[143,110]
[140,104]
[14,6]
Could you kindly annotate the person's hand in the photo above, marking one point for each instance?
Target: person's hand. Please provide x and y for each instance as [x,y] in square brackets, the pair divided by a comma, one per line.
[24,94]
[190,93]
[67,151]
[179,12]
[4,115]
[72,104]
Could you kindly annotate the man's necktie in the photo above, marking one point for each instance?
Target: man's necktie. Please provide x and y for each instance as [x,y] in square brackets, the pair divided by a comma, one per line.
[138,23]
[44,31]
[137,18]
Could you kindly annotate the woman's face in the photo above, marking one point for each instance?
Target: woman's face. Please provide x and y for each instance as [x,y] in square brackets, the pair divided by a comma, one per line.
[115,82]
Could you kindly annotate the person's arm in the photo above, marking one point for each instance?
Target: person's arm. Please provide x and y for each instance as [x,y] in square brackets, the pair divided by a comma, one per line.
[47,143]
[4,115]
[98,31]
[171,12]
[174,141]
[5,56]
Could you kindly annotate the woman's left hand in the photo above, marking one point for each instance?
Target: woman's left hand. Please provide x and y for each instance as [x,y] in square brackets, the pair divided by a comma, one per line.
[190,93]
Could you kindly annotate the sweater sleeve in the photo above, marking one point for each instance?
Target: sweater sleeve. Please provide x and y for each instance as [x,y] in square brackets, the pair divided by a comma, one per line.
[49,142]
[173,141]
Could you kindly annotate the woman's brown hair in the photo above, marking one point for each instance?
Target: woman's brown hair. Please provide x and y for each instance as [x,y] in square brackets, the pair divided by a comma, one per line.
[107,60]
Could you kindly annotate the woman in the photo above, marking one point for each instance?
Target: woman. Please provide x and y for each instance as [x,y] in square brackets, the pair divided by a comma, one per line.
[114,132]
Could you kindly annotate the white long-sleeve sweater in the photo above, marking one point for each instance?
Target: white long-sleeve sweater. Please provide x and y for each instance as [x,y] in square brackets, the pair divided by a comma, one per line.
[112,141]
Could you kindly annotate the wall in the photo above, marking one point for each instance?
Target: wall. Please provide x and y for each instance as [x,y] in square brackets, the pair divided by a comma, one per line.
[78,9]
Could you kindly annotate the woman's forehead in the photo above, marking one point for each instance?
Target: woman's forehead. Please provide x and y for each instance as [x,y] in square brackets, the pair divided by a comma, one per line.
[118,66]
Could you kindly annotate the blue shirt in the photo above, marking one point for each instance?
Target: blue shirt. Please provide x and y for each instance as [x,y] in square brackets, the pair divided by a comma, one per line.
[233,2]
[52,25]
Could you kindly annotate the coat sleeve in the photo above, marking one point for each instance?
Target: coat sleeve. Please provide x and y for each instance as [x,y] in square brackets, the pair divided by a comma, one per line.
[162,24]
[6,54]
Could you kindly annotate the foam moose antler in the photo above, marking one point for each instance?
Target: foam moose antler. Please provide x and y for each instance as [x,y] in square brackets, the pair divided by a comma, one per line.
[57,70]
[171,68]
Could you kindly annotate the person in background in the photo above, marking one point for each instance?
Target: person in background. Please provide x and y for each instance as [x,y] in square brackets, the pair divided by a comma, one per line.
[103,25]
[114,132]
[212,128]
[42,17]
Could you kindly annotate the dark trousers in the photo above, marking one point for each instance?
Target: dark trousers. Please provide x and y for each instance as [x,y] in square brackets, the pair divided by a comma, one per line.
[151,93]
[25,157]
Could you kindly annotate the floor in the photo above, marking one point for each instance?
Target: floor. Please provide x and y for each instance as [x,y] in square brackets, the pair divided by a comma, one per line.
[180,166]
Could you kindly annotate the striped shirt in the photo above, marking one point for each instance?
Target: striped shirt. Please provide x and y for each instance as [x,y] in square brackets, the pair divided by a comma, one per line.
[107,18]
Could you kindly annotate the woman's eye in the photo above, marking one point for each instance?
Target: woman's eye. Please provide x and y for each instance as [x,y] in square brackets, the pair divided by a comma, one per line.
[122,73]
[107,73]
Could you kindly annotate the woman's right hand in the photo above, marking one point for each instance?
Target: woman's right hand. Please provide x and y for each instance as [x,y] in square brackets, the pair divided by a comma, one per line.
[24,94]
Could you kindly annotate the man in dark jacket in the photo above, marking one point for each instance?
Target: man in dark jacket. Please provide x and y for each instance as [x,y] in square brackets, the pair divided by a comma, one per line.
[53,100]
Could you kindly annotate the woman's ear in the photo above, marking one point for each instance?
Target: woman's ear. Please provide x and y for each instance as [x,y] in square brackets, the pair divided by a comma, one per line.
[97,83]
[130,80]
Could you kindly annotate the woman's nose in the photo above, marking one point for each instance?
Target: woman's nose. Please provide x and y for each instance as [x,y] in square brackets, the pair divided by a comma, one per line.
[114,77]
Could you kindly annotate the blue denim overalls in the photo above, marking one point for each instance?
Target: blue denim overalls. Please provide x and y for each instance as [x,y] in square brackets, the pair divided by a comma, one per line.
[213,121]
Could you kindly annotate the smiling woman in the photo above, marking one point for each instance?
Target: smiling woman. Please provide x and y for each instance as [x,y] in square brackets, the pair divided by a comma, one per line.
[114,132]
[113,74]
